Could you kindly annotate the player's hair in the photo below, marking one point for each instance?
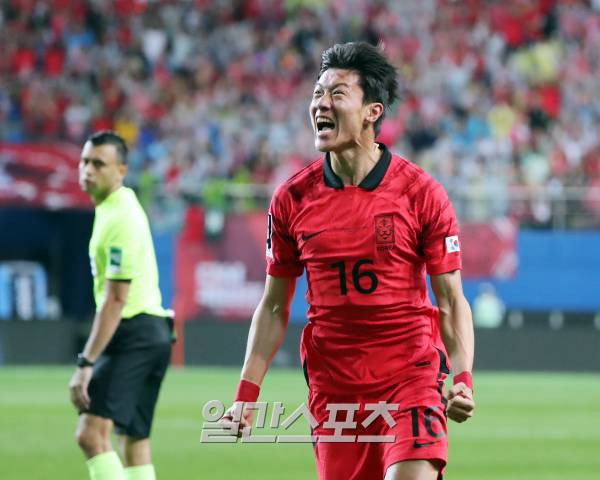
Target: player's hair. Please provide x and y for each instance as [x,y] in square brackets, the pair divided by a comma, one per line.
[377,75]
[113,138]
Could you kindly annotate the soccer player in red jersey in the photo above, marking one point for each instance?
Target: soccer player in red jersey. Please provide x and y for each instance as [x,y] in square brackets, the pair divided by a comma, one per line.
[367,226]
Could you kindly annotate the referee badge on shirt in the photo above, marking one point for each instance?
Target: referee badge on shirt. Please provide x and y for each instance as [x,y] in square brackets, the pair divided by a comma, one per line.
[452,244]
[115,257]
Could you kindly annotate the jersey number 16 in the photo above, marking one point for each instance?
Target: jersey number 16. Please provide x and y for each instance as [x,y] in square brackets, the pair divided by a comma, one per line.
[357,275]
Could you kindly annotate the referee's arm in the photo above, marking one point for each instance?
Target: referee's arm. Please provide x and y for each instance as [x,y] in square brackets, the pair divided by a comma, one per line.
[107,319]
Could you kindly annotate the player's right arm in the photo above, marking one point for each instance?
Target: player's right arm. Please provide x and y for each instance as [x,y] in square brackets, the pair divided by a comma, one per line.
[267,331]
[269,324]
[270,319]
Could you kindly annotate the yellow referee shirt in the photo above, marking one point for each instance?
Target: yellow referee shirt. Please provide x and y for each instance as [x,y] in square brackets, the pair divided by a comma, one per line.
[121,248]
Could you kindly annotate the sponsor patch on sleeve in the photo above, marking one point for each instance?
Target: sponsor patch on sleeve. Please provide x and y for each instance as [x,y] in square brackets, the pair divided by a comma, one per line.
[115,258]
[452,244]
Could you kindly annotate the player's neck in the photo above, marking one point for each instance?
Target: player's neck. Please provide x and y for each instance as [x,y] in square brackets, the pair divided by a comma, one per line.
[353,165]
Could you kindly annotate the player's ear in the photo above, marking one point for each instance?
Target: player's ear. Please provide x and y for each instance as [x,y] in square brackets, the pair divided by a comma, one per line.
[374,111]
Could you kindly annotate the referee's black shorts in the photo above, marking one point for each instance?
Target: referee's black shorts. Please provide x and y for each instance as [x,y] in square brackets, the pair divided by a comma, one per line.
[127,376]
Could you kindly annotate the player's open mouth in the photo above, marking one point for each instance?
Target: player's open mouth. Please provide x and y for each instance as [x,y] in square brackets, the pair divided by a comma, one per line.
[324,124]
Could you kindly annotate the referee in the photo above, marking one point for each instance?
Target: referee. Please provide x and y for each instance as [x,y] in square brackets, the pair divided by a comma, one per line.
[125,358]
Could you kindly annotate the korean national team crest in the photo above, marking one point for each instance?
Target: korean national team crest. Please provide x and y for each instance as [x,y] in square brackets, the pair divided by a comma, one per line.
[384,229]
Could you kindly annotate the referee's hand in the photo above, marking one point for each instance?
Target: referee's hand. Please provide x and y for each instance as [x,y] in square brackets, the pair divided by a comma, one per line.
[228,421]
[78,388]
[460,403]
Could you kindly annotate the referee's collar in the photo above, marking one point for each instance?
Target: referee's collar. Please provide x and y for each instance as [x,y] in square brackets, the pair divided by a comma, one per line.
[370,182]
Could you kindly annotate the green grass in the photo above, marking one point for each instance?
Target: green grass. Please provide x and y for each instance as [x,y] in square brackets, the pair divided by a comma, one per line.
[527,427]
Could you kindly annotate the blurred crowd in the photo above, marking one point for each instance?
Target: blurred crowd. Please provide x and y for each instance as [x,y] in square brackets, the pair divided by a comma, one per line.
[500,100]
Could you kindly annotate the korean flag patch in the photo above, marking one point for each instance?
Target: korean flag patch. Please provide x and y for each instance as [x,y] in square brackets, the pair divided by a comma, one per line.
[115,257]
[452,244]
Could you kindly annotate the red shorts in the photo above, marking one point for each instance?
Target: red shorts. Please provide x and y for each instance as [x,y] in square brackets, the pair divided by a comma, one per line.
[414,429]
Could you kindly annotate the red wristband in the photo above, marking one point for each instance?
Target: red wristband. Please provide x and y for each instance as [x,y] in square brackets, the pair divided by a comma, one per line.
[247,391]
[464,377]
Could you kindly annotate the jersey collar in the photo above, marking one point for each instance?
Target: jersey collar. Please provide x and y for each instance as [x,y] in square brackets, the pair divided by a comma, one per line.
[370,182]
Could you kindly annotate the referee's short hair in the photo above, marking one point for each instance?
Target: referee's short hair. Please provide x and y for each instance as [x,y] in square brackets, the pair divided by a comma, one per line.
[113,138]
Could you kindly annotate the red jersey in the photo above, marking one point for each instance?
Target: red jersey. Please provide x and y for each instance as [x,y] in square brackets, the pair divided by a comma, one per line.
[366,250]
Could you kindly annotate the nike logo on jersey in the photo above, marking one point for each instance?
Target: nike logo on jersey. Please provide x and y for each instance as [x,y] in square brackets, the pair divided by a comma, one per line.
[306,237]
[424,444]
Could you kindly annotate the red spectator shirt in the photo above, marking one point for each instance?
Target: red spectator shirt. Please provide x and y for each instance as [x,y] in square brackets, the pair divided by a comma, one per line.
[366,250]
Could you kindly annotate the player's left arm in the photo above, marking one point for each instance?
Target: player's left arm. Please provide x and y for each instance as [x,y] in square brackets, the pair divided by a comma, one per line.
[105,324]
[457,333]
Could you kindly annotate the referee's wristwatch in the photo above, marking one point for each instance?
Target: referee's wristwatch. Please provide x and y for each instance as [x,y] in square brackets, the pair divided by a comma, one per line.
[83,362]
